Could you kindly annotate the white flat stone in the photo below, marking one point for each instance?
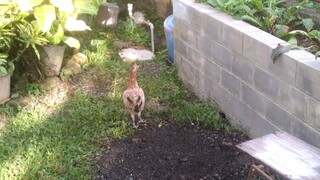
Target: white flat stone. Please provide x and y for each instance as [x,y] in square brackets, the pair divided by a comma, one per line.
[136,54]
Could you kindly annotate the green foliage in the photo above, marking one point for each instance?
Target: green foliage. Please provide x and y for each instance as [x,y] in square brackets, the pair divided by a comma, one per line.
[16,35]
[135,33]
[6,67]
[54,17]
[30,23]
[33,89]
[198,113]
[270,16]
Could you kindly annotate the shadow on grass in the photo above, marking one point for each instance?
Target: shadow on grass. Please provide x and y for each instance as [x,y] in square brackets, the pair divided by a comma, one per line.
[35,144]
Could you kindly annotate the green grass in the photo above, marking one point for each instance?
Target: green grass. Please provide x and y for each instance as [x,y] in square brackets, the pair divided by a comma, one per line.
[59,141]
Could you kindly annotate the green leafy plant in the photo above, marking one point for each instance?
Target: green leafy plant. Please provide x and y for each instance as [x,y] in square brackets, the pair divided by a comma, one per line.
[54,18]
[16,35]
[271,16]
[6,67]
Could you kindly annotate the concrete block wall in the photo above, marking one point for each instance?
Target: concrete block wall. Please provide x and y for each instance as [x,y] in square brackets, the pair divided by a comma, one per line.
[229,61]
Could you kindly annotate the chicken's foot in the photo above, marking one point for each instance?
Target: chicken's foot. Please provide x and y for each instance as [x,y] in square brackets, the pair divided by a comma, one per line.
[140,119]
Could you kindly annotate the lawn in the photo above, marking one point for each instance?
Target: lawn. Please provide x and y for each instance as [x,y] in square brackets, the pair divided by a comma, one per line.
[55,134]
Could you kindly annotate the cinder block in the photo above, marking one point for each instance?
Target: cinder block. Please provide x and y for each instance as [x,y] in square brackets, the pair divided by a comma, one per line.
[178,29]
[185,11]
[308,77]
[258,45]
[195,58]
[294,101]
[232,34]
[236,123]
[278,116]
[211,70]
[181,47]
[181,9]
[212,24]
[261,126]
[266,83]
[306,133]
[253,98]
[241,112]
[177,58]
[314,111]
[204,8]
[205,85]
[221,96]
[206,46]
[199,93]
[187,70]
[196,77]
[230,82]
[239,25]
[222,55]
[188,34]
[242,68]
[231,38]
[284,68]
[195,17]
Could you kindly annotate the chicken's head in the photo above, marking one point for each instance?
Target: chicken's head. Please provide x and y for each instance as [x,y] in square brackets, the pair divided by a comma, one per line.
[135,68]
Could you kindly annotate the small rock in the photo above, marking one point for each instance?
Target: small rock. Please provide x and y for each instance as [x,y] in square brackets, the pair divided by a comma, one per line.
[22,101]
[227,143]
[80,58]
[182,177]
[136,140]
[71,68]
[15,95]
[185,159]
[50,82]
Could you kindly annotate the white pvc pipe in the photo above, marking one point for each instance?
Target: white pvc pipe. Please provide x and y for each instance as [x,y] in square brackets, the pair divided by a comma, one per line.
[152,35]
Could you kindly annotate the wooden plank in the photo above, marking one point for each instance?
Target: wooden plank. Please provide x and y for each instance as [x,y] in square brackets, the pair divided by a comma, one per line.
[290,156]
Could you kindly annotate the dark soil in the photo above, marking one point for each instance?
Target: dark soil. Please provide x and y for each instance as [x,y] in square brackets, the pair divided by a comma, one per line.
[174,151]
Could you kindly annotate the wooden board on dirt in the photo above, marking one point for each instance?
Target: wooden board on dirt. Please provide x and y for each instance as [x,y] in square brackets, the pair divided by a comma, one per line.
[286,154]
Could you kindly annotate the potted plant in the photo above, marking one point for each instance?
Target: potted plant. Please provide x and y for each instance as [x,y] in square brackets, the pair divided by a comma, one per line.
[16,35]
[55,20]
[6,70]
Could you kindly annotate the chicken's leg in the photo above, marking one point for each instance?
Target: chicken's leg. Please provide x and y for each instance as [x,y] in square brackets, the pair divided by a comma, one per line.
[133,121]
[140,119]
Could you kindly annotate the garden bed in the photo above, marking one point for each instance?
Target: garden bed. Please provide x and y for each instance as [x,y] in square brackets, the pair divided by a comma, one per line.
[173,151]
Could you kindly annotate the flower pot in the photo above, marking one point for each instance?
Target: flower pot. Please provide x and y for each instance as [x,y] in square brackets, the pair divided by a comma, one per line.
[4,88]
[51,57]
[107,15]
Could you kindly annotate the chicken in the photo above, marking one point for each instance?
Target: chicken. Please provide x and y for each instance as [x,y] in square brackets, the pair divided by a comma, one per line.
[133,97]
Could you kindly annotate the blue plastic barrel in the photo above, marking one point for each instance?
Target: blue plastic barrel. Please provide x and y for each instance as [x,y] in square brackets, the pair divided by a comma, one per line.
[168,30]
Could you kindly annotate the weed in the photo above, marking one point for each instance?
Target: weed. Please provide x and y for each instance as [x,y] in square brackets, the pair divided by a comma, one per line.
[33,89]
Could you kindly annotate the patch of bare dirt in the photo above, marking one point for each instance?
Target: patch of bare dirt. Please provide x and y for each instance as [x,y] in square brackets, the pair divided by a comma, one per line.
[172,151]
[312,46]
[90,81]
